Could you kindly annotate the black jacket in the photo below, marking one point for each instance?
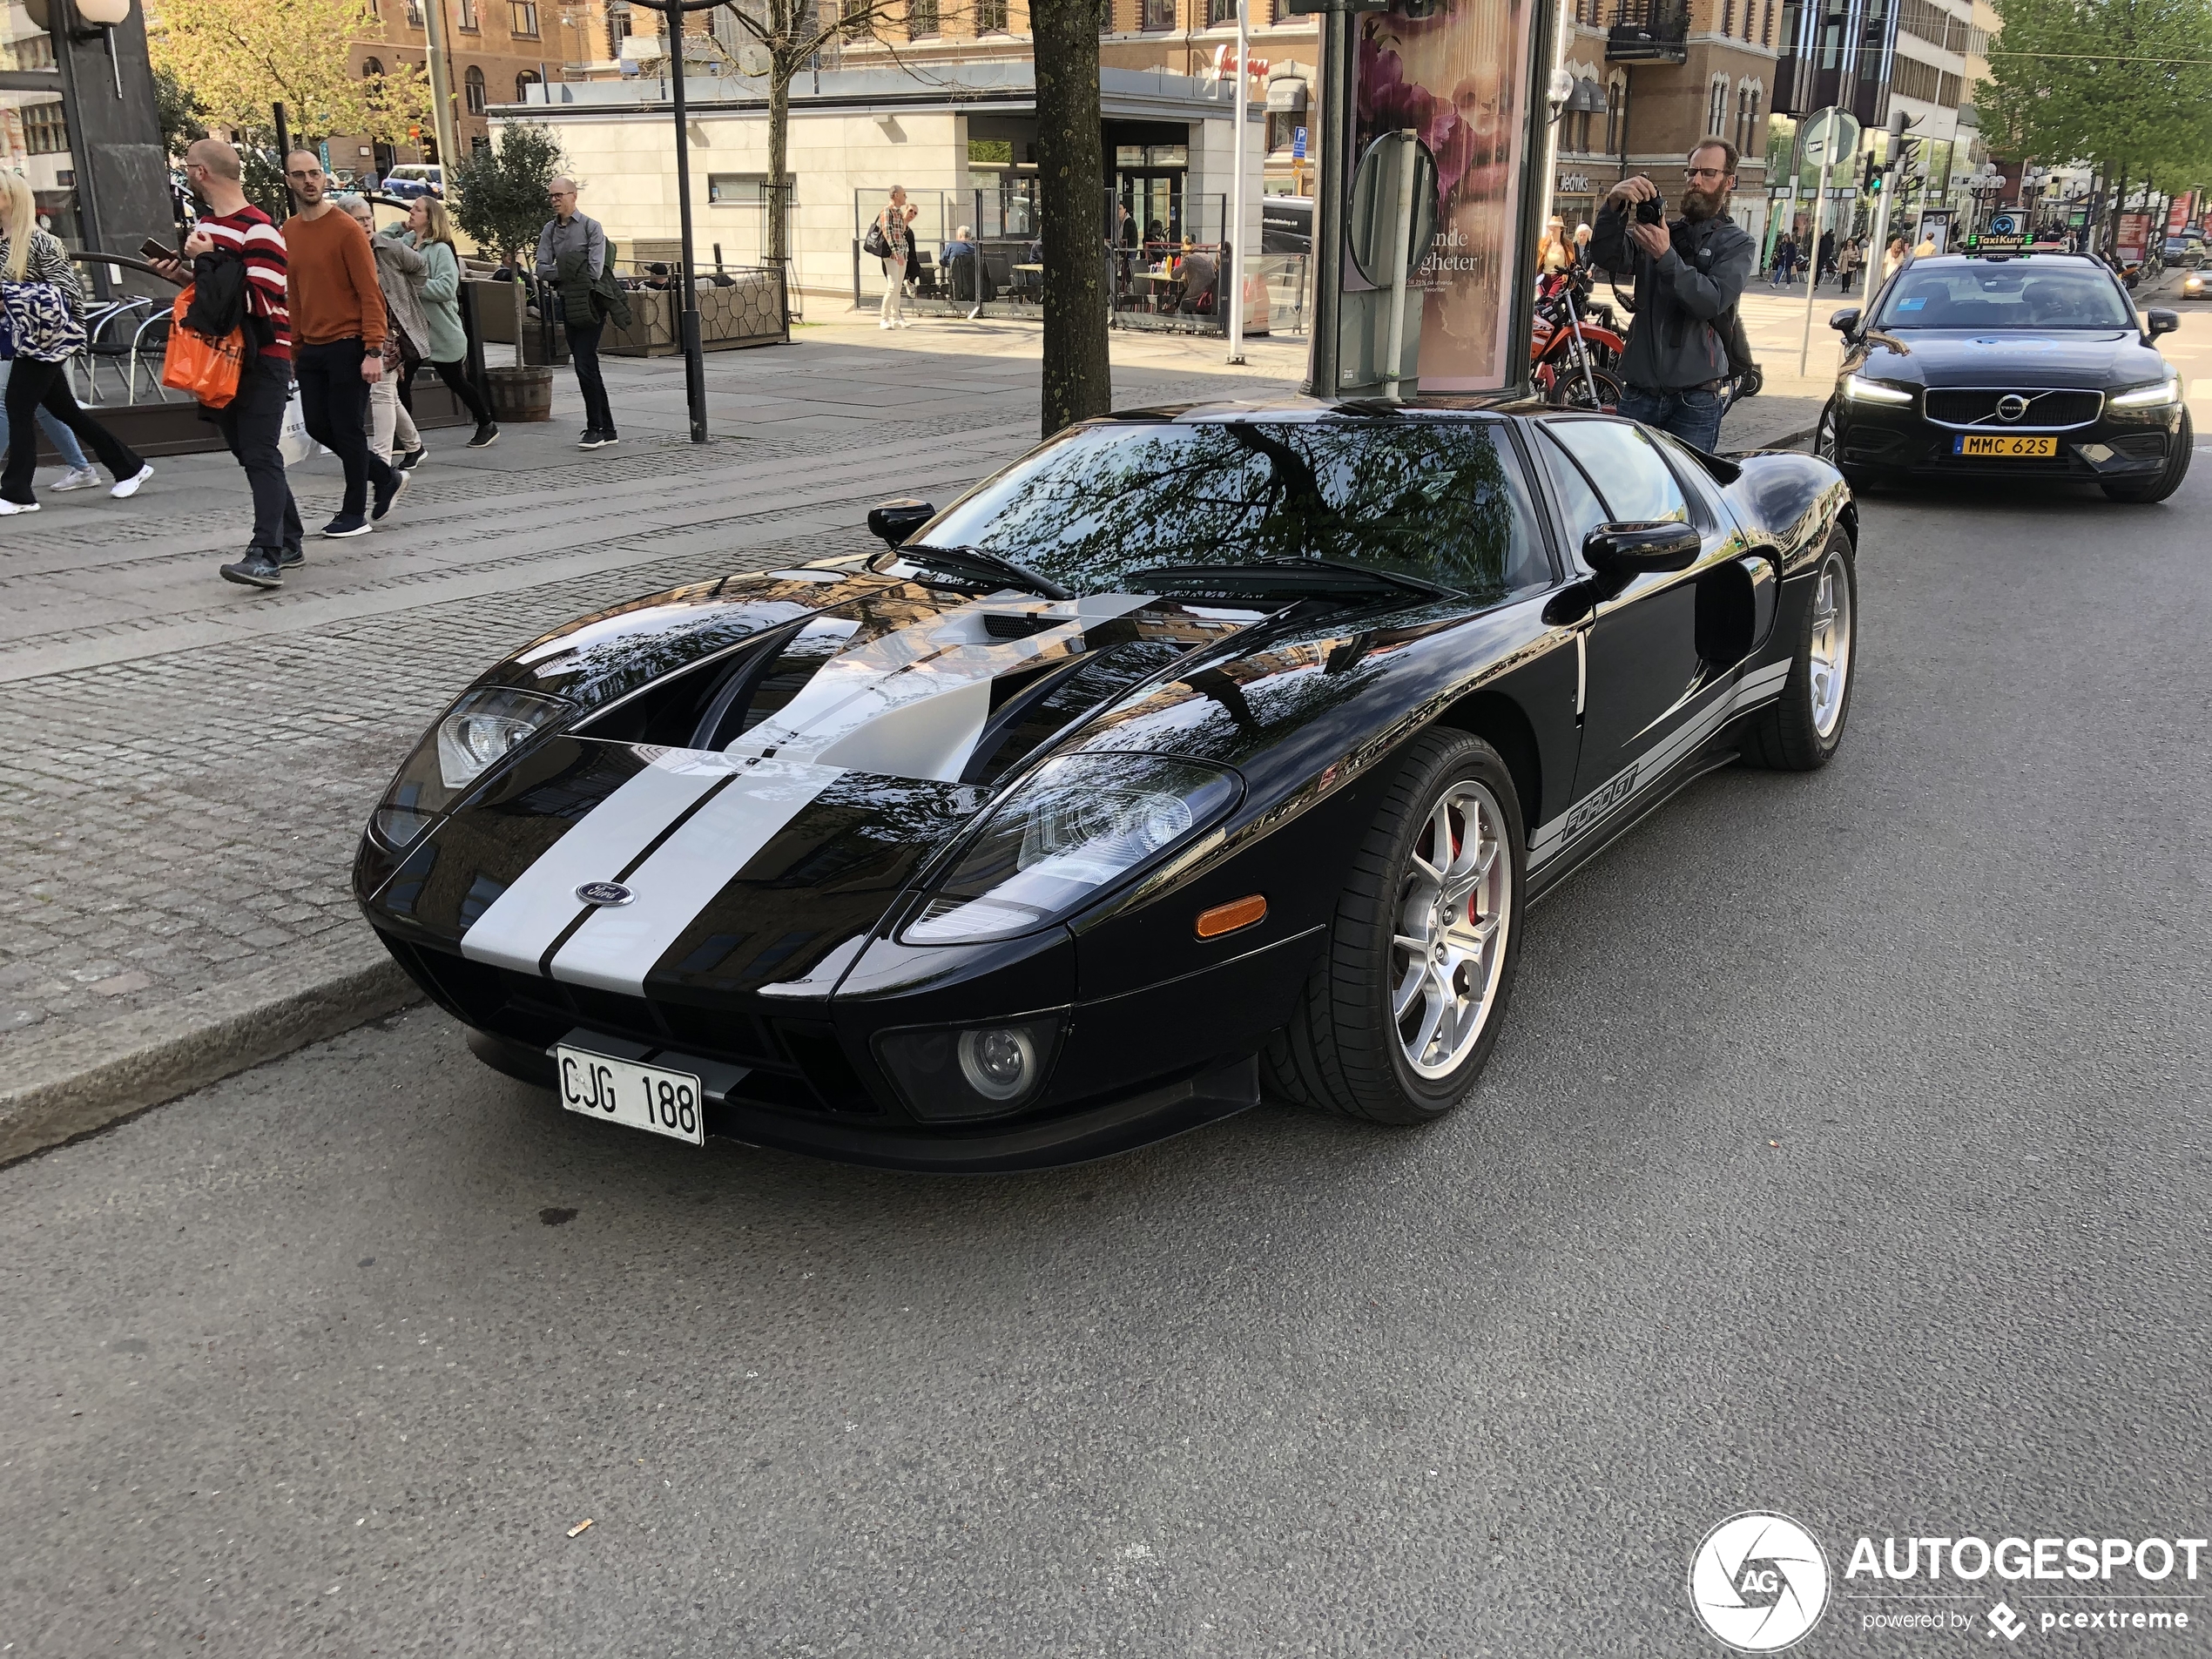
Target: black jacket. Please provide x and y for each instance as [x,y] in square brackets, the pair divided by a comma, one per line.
[1685,299]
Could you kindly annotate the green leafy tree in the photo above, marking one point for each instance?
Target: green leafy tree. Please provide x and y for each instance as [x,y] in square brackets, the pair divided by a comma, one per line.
[178,109]
[2124,83]
[498,197]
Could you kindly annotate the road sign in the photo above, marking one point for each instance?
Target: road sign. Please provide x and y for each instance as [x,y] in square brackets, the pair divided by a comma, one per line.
[2004,225]
[1830,137]
[1298,144]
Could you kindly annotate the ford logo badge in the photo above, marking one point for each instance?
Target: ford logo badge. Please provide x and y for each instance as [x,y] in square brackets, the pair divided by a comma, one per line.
[604,892]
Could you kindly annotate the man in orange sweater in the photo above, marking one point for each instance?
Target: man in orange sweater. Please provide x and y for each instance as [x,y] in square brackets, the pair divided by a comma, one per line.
[338,339]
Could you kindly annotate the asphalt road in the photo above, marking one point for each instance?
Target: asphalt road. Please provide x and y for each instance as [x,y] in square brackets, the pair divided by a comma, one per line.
[1846,1156]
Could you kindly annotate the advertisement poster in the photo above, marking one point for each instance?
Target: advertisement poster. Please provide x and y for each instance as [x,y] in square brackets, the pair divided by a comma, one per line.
[2178,215]
[2133,237]
[1456,75]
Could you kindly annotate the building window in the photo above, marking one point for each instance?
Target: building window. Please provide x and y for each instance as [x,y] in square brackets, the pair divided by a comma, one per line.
[1717,108]
[373,11]
[1617,116]
[472,90]
[1105,17]
[44,131]
[1220,12]
[1766,30]
[739,189]
[371,68]
[1159,15]
[1728,16]
[524,82]
[525,18]
[414,14]
[921,19]
[468,10]
[618,31]
[990,17]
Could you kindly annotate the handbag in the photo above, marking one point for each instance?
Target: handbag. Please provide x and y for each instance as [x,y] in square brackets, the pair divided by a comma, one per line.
[294,443]
[875,242]
[205,366]
[37,320]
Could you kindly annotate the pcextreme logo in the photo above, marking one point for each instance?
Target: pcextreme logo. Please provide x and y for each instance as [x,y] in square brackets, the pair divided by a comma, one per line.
[1759,1581]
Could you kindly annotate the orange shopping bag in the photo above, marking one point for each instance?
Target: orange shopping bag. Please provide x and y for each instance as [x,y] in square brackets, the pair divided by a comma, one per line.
[207,369]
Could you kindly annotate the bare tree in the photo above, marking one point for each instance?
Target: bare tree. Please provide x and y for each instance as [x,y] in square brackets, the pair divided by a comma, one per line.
[1071,173]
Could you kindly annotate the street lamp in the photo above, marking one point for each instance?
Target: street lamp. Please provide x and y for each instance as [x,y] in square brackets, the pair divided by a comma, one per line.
[673,13]
[104,16]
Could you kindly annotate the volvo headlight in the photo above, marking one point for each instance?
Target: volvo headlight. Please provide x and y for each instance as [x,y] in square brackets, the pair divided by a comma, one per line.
[1859,389]
[2157,396]
[477,731]
[1074,827]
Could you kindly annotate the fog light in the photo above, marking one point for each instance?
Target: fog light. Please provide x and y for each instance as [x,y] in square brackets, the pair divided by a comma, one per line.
[945,1075]
[999,1062]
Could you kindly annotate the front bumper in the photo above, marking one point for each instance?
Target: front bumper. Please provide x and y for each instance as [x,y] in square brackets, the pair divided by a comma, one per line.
[1901,441]
[1131,1069]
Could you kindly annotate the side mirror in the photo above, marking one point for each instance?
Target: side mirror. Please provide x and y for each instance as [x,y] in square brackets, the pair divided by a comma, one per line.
[2161,322]
[1845,322]
[894,521]
[1631,550]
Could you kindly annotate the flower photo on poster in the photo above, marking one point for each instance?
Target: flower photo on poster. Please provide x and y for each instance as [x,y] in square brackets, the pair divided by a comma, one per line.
[1455,72]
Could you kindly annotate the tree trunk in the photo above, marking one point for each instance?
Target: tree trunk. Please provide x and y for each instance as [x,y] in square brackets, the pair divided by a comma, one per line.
[781,69]
[1071,174]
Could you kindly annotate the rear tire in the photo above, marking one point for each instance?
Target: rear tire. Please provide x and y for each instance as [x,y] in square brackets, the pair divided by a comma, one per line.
[1401,1012]
[1801,731]
[2167,480]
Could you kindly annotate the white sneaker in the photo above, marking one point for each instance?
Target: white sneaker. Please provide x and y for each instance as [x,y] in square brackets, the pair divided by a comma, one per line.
[884,323]
[8,507]
[129,486]
[903,323]
[79,478]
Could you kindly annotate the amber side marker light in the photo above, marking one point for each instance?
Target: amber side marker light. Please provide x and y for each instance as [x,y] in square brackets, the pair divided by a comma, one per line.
[1228,918]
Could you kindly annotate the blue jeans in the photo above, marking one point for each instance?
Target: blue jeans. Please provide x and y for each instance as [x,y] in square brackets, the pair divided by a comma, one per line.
[1693,414]
[64,440]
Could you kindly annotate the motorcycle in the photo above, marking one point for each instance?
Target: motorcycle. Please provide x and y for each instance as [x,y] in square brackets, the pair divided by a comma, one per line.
[1575,359]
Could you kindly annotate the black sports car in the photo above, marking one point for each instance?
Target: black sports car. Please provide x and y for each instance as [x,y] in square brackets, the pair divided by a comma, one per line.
[1200,748]
[2021,366]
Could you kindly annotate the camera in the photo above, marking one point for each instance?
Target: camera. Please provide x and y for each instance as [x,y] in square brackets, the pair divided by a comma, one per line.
[1651,211]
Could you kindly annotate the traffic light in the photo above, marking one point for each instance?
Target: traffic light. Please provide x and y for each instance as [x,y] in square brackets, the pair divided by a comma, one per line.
[1871,175]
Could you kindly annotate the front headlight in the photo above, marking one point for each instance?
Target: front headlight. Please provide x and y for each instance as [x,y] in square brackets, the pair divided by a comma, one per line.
[2156,395]
[1859,389]
[1072,828]
[479,730]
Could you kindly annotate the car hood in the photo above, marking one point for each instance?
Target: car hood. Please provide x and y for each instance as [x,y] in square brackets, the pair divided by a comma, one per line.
[1960,357]
[883,717]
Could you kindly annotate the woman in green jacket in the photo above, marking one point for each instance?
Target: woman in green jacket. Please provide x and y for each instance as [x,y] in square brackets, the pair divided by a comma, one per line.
[429,231]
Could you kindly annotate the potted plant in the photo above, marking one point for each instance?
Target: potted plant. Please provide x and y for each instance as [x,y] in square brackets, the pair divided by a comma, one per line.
[498,197]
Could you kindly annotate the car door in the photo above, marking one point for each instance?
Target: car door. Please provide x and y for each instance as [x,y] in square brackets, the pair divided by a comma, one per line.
[1649,692]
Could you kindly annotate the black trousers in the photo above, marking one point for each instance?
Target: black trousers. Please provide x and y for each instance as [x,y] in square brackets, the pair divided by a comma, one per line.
[455,374]
[584,357]
[335,399]
[31,383]
[251,424]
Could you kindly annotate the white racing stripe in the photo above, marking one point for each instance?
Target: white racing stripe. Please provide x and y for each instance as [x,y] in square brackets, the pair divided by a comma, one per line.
[618,945]
[523,921]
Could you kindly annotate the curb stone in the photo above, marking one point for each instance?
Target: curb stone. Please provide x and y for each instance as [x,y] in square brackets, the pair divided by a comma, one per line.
[85,1079]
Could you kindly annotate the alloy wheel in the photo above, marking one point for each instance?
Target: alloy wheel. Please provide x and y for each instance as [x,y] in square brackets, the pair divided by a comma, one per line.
[1454,897]
[1830,649]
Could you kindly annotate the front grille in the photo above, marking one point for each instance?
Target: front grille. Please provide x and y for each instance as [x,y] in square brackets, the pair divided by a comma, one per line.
[1976,406]
[794,1065]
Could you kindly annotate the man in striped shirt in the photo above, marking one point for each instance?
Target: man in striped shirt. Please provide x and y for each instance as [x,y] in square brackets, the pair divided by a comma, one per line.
[252,421]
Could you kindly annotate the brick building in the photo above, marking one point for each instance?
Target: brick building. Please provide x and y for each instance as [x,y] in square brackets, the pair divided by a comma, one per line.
[497,49]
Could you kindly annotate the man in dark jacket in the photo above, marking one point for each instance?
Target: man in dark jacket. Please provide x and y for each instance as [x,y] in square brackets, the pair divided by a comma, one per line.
[1689,276]
[573,260]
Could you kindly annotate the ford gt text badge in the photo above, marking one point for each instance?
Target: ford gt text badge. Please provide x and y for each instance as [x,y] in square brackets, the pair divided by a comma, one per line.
[604,892]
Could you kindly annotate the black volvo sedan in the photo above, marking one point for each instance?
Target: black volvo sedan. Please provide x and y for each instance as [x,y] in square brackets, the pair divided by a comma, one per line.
[1201,750]
[2026,366]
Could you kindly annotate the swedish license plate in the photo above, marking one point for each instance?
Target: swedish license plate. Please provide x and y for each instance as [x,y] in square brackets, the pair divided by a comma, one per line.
[2009,447]
[622,1091]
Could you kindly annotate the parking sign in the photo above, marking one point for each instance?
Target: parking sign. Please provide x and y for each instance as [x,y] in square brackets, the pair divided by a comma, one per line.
[1298,144]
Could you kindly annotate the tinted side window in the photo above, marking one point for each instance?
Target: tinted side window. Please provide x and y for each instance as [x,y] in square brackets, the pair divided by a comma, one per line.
[1580,510]
[1627,467]
[1706,508]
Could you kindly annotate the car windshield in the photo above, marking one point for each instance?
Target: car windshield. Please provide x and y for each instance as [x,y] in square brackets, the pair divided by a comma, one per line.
[1431,499]
[2010,295]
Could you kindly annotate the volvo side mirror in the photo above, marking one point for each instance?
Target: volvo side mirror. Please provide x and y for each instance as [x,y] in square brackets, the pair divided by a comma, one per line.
[1846,322]
[1631,550]
[894,521]
[2161,322]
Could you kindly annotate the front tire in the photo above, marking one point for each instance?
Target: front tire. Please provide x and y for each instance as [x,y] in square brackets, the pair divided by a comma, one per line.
[1826,446]
[1403,1009]
[1801,731]
[2167,480]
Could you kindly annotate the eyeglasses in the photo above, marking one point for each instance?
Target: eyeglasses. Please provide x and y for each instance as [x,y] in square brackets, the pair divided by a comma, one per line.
[1704,173]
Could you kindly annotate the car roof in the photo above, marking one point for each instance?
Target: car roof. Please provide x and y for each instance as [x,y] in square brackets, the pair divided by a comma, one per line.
[1306,410]
[2089,262]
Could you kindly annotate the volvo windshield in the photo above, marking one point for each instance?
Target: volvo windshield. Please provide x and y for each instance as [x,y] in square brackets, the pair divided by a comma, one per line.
[2014,294]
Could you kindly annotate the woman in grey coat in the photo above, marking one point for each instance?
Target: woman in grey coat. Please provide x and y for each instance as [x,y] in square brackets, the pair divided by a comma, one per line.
[400,275]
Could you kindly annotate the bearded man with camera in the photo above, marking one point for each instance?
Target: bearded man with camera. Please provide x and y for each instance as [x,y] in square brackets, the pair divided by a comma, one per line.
[1689,273]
